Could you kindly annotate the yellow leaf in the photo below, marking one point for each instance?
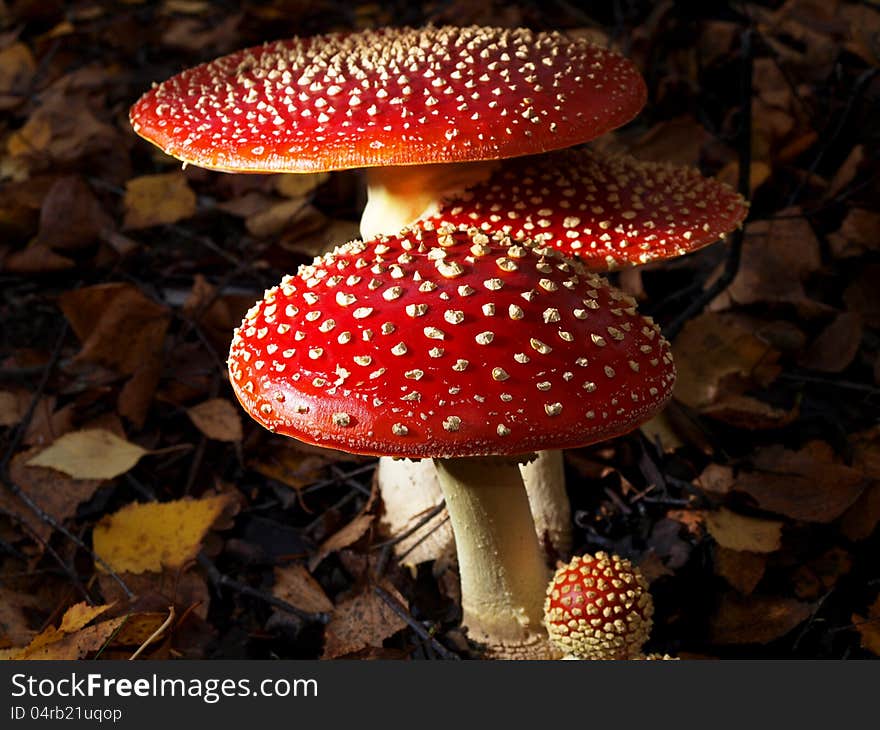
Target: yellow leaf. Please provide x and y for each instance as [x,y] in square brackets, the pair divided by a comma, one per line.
[738,532]
[79,614]
[154,199]
[90,454]
[218,419]
[148,537]
[294,584]
[76,645]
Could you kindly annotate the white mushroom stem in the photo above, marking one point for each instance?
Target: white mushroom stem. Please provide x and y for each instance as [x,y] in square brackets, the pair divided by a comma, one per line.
[410,490]
[503,573]
[398,196]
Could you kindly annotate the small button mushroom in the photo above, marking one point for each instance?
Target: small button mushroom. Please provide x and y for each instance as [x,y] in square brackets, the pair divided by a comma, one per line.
[599,607]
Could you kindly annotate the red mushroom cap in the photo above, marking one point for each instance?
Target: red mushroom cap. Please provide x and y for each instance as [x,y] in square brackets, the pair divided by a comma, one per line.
[599,608]
[438,343]
[609,211]
[390,97]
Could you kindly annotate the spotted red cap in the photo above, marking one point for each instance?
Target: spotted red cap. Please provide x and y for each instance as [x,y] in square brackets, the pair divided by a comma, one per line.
[390,97]
[438,343]
[609,211]
[599,608]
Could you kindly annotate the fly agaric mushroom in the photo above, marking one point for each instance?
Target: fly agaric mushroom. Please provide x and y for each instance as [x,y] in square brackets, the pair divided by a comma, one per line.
[385,348]
[608,211]
[599,608]
[418,107]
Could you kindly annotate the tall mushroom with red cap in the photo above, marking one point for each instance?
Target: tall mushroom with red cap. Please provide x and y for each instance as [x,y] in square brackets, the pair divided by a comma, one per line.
[417,107]
[470,349]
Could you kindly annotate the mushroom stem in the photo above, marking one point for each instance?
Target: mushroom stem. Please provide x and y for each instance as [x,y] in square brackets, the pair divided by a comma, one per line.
[503,574]
[400,195]
[544,478]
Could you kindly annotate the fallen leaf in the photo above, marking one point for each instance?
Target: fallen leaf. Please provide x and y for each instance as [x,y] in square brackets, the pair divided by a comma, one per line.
[275,218]
[17,67]
[738,532]
[803,485]
[755,619]
[743,411]
[299,185]
[217,419]
[14,628]
[90,454]
[836,346]
[119,327]
[859,233]
[71,216]
[75,646]
[742,570]
[56,494]
[718,353]
[80,614]
[860,520]
[821,574]
[716,478]
[869,627]
[186,591]
[153,536]
[152,200]
[294,584]
[777,257]
[353,531]
[13,405]
[361,621]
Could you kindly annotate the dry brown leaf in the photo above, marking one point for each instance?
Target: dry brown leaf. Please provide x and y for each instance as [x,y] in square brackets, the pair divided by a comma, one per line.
[755,619]
[139,627]
[89,454]
[217,419]
[716,354]
[352,532]
[803,485]
[157,199]
[275,218]
[859,232]
[777,257]
[136,396]
[14,628]
[742,570]
[36,258]
[294,584]
[71,216]
[299,185]
[738,532]
[17,67]
[56,494]
[677,141]
[361,621]
[13,405]
[860,520]
[77,645]
[836,346]
[118,326]
[743,411]
[186,591]
[869,628]
[821,574]
[863,294]
[153,536]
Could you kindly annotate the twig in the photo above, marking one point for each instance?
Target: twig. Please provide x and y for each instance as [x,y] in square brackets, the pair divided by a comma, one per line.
[154,635]
[221,580]
[420,630]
